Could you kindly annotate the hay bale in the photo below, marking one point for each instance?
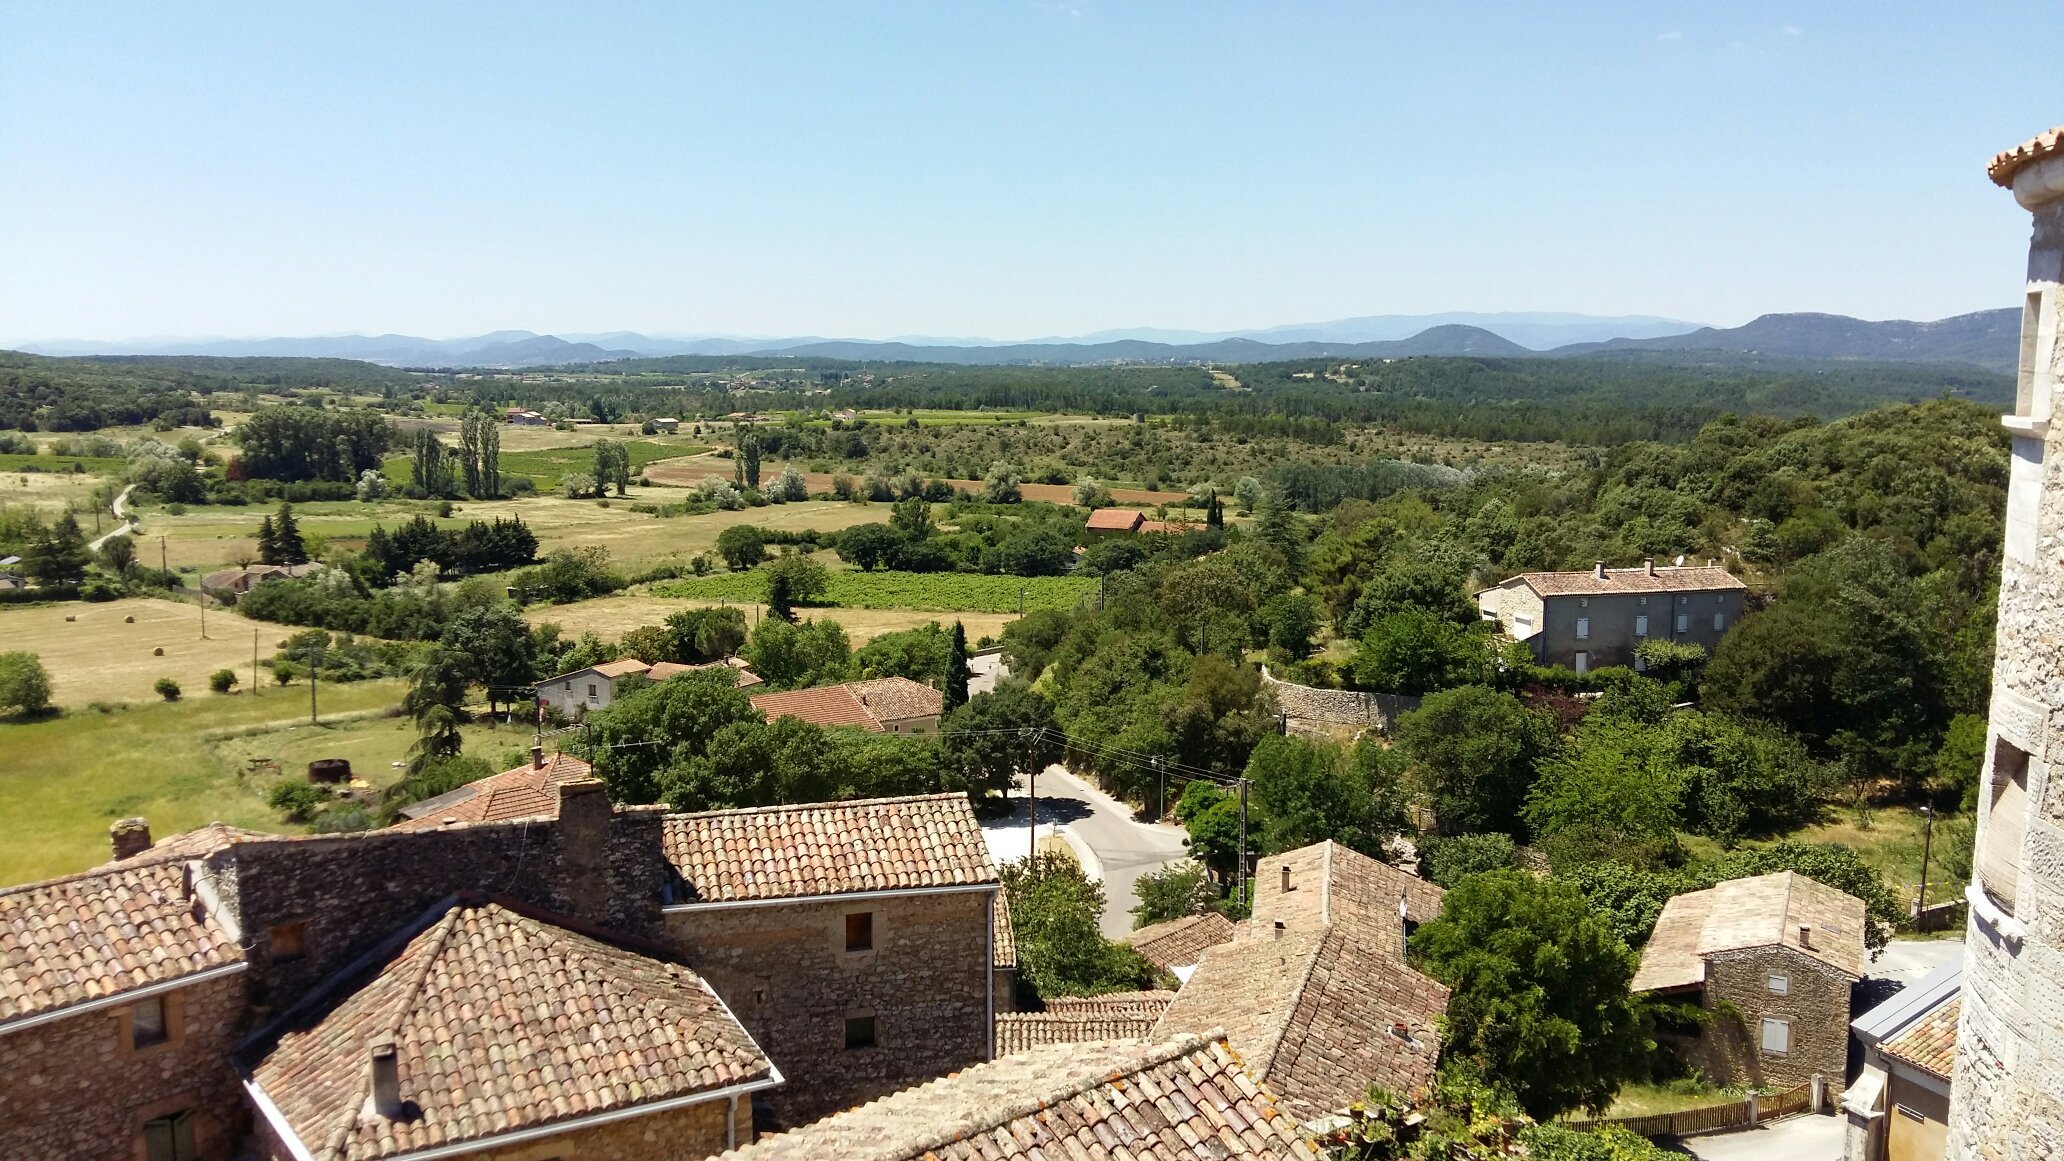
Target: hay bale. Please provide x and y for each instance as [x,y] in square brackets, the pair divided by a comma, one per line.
[129,620]
[69,617]
[158,652]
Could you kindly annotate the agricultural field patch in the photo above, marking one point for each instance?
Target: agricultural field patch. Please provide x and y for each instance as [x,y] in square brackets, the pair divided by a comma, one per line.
[611,617]
[937,591]
[103,657]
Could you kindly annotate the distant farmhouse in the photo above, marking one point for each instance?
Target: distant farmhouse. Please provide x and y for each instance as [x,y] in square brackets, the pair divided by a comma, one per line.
[585,691]
[228,584]
[888,705]
[1586,620]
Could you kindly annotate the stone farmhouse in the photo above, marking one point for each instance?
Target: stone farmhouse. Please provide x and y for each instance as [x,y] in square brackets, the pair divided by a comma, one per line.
[584,691]
[596,982]
[1898,1106]
[1315,995]
[527,791]
[1175,1100]
[1781,952]
[230,583]
[2007,1099]
[887,705]
[1586,620]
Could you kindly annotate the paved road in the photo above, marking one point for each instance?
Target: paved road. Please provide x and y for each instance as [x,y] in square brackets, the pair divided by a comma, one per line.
[1812,1137]
[1910,960]
[127,525]
[984,671]
[1126,849]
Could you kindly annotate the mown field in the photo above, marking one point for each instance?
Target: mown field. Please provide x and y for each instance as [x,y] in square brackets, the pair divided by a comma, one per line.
[611,617]
[547,465]
[941,591]
[103,657]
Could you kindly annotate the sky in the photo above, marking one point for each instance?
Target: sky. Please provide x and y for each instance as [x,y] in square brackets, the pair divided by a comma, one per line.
[1000,168]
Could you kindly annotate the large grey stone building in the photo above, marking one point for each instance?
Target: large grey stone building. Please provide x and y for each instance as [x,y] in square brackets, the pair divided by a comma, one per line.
[2008,1088]
[1587,620]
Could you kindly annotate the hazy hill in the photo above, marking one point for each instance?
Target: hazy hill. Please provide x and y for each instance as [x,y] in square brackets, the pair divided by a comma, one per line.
[1441,340]
[1986,338]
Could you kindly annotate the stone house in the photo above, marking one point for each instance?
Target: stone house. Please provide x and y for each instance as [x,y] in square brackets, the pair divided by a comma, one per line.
[855,940]
[1586,620]
[1773,958]
[1314,994]
[1111,521]
[527,791]
[1898,1106]
[1178,1099]
[887,705]
[1175,945]
[2005,1099]
[666,426]
[579,693]
[230,583]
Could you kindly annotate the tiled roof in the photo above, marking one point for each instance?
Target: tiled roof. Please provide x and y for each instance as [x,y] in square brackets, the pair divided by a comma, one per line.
[825,705]
[1929,1044]
[1188,1099]
[891,699]
[1763,911]
[1181,942]
[744,677]
[523,792]
[628,665]
[198,843]
[2005,165]
[1021,1031]
[1006,933]
[86,937]
[501,1021]
[1688,579]
[1325,1005]
[1148,1004]
[828,848]
[1114,520]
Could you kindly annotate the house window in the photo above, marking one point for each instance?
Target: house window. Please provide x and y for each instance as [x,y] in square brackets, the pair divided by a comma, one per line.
[1999,849]
[1780,985]
[569,687]
[860,931]
[591,691]
[859,1032]
[1719,622]
[170,1138]
[1684,622]
[1641,625]
[147,1023]
[1777,1036]
[1583,662]
[286,942]
[1583,628]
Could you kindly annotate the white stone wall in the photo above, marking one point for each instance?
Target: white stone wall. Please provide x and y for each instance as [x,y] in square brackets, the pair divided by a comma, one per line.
[2008,1091]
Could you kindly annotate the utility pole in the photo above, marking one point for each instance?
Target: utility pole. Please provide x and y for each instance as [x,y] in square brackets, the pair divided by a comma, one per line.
[315,664]
[1161,768]
[1243,845]
[1927,841]
[254,663]
[204,614]
[1031,810]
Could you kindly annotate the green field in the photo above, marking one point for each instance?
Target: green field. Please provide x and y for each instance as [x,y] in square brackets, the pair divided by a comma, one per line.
[938,591]
[546,465]
[44,463]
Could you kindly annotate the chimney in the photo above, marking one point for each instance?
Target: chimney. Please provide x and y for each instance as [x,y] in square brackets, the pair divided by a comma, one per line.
[1286,876]
[1806,937]
[586,823]
[1648,565]
[1279,929]
[537,757]
[130,837]
[1598,571]
[386,1078]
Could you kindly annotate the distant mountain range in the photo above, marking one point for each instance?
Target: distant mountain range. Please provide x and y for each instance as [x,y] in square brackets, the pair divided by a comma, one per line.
[1986,338]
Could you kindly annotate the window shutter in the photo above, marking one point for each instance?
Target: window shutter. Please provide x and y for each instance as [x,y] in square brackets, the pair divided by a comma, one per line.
[1583,628]
[1641,626]
[1999,856]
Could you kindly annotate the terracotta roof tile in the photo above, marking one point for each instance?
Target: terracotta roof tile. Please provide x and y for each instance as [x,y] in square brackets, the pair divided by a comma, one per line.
[502,1021]
[1006,949]
[525,791]
[1325,1005]
[86,937]
[1114,520]
[825,705]
[1688,579]
[1929,1043]
[891,699]
[2011,162]
[1022,1031]
[1124,1100]
[198,843]
[1761,911]
[1181,942]
[744,677]
[828,848]
[1149,1004]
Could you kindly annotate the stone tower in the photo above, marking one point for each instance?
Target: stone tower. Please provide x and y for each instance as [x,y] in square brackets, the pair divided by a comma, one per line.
[2008,1096]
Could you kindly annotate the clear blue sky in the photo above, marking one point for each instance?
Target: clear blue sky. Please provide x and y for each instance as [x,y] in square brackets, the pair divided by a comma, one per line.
[1001,169]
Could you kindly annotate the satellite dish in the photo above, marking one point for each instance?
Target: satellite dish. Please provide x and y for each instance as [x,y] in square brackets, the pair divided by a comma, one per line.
[1680,560]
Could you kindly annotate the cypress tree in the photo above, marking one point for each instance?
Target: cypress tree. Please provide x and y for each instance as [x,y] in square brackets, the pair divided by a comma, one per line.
[268,542]
[957,673]
[286,542]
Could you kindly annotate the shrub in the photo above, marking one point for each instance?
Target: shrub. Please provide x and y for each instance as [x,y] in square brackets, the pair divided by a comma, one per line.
[166,688]
[222,680]
[298,801]
[24,683]
[344,818]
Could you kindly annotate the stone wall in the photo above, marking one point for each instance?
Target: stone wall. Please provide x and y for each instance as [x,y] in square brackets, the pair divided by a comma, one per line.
[75,1088]
[2008,1092]
[349,893]
[1815,1004]
[1305,707]
[785,973]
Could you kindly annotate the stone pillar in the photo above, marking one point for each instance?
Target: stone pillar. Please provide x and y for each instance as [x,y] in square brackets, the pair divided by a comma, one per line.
[2007,1092]
[130,837]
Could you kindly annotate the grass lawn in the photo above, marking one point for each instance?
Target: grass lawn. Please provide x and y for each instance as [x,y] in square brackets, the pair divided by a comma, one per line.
[611,617]
[184,764]
[1648,1100]
[54,492]
[1890,840]
[938,591]
[100,657]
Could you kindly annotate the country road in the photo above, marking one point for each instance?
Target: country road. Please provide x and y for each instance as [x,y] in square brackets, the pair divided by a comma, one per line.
[1124,849]
[126,525]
